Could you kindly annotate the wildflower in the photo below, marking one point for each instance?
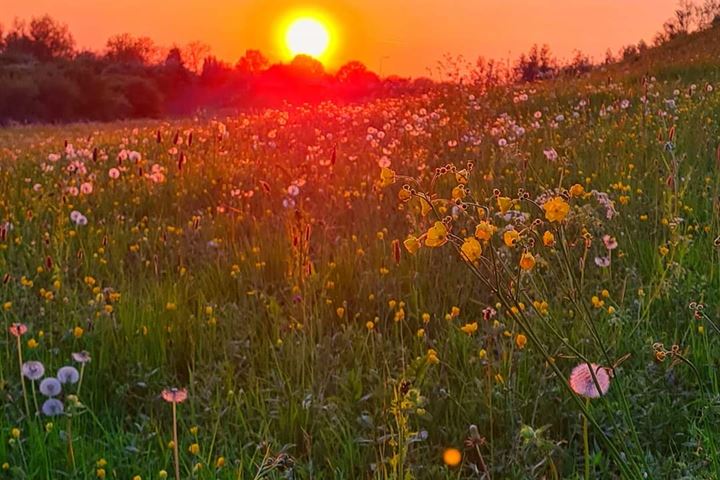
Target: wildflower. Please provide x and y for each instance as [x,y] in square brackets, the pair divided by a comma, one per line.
[194,449]
[504,204]
[485,230]
[602,262]
[174,395]
[452,457]
[387,177]
[510,237]
[520,341]
[663,250]
[412,244]
[432,357]
[471,249]
[583,383]
[32,343]
[18,329]
[437,235]
[548,238]
[577,190]
[33,370]
[610,242]
[78,332]
[596,302]
[52,407]
[50,387]
[220,462]
[81,357]
[15,433]
[68,374]
[556,209]
[527,261]
[469,328]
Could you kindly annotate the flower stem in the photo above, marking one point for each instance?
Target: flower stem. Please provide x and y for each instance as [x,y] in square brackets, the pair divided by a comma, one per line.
[22,378]
[175,442]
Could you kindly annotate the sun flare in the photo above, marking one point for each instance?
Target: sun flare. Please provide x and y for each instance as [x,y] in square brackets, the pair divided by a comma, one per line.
[307,36]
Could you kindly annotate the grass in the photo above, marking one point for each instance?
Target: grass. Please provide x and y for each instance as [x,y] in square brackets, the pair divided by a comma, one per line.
[298,326]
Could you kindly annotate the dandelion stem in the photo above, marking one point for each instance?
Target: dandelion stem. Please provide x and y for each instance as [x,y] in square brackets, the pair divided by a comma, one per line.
[22,378]
[175,442]
[586,443]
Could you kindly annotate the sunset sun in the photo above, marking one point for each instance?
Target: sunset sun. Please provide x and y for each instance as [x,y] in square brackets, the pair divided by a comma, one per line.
[307,36]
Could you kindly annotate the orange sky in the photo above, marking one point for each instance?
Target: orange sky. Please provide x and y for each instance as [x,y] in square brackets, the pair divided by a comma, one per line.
[398,36]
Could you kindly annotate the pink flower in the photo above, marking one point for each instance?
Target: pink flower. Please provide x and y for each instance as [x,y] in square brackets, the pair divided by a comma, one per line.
[18,329]
[610,242]
[86,188]
[174,395]
[583,383]
[114,173]
[602,262]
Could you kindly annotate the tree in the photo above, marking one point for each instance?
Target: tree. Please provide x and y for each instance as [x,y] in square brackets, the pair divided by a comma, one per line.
[194,54]
[536,65]
[43,38]
[252,63]
[356,73]
[125,48]
[214,71]
[307,66]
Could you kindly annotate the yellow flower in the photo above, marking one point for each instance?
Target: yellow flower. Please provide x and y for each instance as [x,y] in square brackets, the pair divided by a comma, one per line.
[577,190]
[163,474]
[425,207]
[194,449]
[432,356]
[387,177]
[556,209]
[32,343]
[100,473]
[504,204]
[663,250]
[15,433]
[340,312]
[437,236]
[404,195]
[426,318]
[527,261]
[369,325]
[412,244]
[458,193]
[471,249]
[452,457]
[7,306]
[470,328]
[548,239]
[220,462]
[510,237]
[485,230]
[461,176]
[520,341]
[78,332]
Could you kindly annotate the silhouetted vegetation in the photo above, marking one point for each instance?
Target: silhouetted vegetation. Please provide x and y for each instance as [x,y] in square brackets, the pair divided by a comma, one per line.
[43,78]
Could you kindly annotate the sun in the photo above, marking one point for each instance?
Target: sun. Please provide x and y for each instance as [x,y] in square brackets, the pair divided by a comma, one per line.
[307,36]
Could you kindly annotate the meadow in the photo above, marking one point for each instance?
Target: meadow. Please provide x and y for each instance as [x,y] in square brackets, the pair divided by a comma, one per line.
[518,282]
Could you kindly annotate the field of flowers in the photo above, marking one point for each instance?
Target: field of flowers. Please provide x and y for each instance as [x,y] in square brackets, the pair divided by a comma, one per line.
[520,283]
